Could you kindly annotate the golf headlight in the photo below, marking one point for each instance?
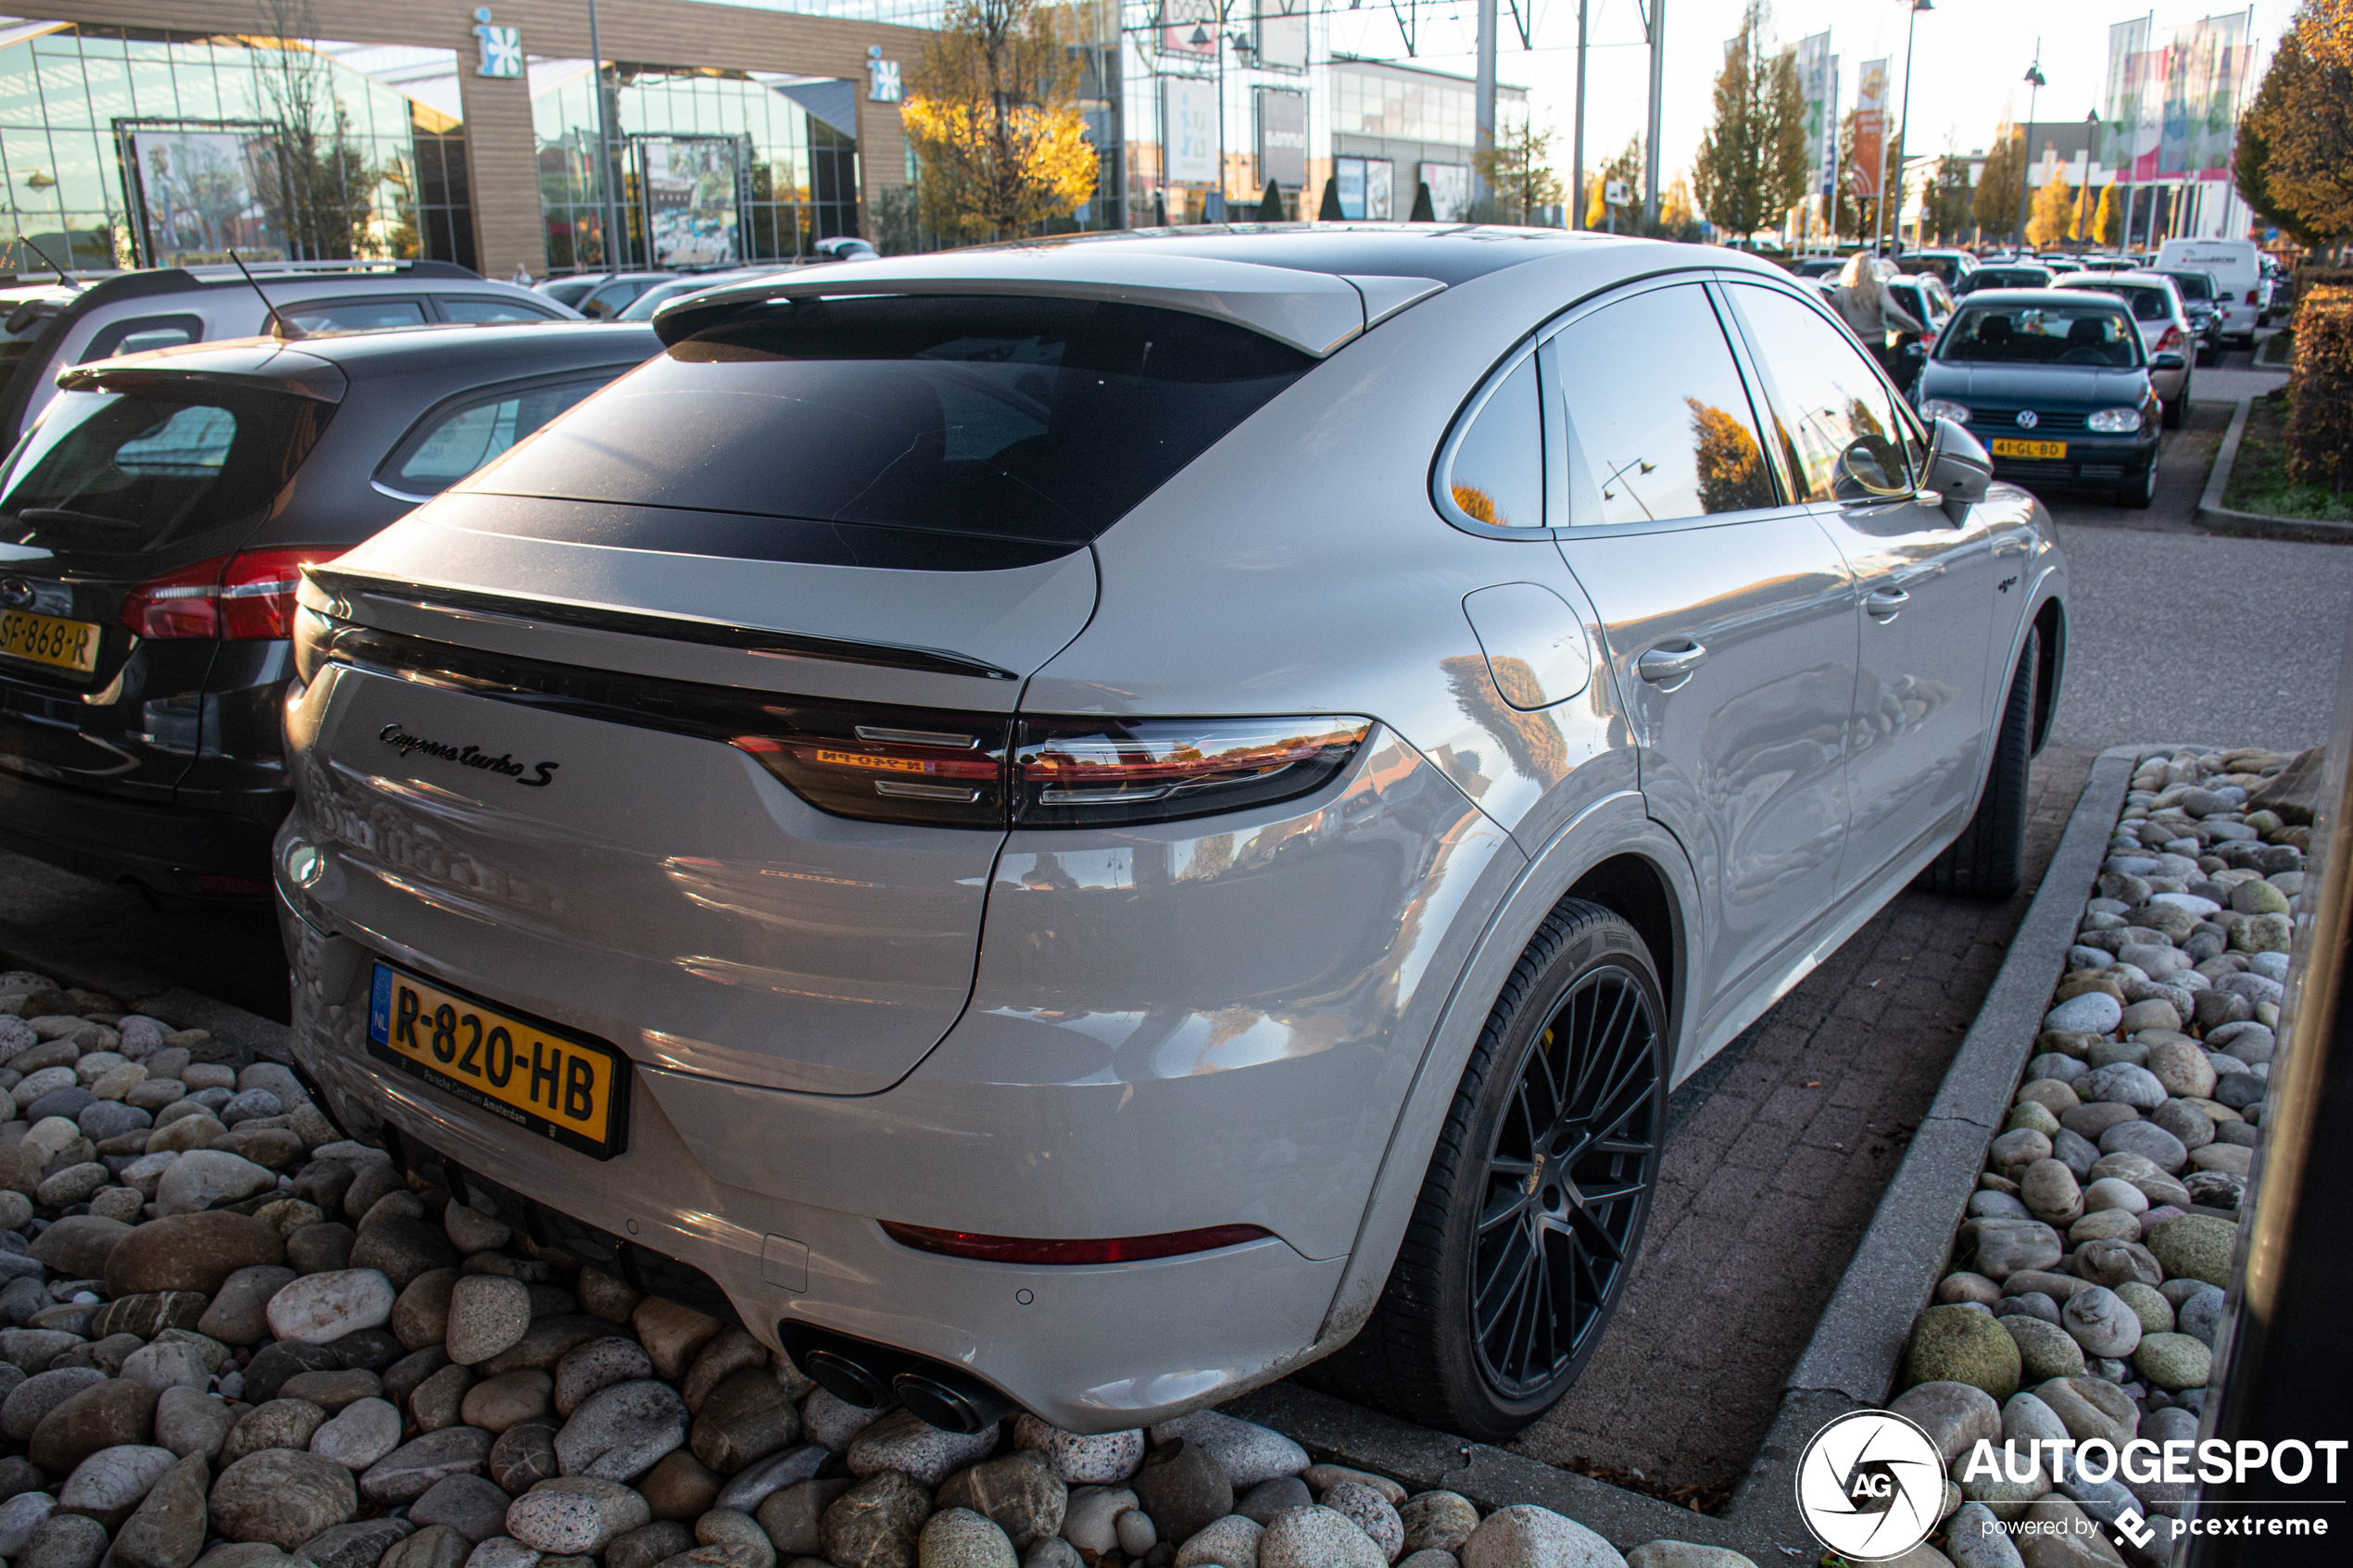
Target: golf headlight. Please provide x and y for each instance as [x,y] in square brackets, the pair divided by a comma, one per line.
[2115,421]
[1937,409]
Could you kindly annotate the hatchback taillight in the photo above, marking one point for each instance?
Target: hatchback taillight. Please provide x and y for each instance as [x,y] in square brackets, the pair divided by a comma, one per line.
[2173,339]
[250,595]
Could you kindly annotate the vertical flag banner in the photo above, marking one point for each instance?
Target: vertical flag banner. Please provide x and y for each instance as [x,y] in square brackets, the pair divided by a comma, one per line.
[1827,168]
[2128,63]
[1870,117]
[1814,81]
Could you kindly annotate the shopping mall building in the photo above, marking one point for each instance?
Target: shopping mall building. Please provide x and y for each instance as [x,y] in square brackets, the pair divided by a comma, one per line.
[148,132]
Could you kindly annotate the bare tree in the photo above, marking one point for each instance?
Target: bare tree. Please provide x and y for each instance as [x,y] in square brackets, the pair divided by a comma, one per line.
[324,188]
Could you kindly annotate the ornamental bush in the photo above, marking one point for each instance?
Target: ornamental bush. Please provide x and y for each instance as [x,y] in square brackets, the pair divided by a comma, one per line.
[2319,427]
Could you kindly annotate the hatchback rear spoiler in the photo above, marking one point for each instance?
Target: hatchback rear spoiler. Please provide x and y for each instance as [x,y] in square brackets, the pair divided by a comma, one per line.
[1314,312]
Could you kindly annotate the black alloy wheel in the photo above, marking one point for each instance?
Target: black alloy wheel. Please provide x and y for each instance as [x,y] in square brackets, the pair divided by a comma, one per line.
[1568,1183]
[1531,1213]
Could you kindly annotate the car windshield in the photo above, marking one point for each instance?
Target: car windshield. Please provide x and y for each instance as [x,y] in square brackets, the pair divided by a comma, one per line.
[2094,333]
[2148,303]
[2194,286]
[139,469]
[1018,418]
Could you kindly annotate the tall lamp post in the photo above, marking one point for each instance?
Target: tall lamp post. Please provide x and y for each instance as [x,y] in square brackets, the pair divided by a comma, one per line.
[2091,135]
[2034,80]
[1895,228]
[604,148]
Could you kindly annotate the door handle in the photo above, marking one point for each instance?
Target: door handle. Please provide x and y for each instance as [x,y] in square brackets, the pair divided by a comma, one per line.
[1883,604]
[1669,668]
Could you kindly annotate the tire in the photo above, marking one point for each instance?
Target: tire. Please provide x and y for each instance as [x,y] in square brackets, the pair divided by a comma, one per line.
[1571,1067]
[2178,409]
[2138,495]
[1989,859]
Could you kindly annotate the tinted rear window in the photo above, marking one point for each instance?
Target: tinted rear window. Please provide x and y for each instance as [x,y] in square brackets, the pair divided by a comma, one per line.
[2194,286]
[142,470]
[1041,421]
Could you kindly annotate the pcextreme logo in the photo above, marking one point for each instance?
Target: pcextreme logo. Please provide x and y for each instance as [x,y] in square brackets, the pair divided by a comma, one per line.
[1870,1486]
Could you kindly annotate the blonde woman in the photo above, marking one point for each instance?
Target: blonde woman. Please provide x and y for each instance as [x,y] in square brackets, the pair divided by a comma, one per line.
[1861,298]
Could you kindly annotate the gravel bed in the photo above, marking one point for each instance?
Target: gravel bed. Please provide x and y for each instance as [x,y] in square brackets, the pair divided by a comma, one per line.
[2088,1281]
[235,1338]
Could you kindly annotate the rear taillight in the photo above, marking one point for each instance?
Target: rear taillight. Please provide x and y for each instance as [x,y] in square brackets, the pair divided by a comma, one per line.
[952,776]
[246,595]
[1069,772]
[2173,339]
[2250,296]
[1103,1250]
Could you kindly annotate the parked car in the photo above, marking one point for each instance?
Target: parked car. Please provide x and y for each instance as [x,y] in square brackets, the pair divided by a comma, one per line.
[1951,266]
[642,308]
[151,528]
[2165,327]
[1371,685]
[48,327]
[2005,275]
[2055,382]
[2237,270]
[602,295]
[1818,266]
[2202,300]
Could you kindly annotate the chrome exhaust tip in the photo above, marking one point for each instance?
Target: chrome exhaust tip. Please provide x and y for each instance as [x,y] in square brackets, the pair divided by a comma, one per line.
[951,1400]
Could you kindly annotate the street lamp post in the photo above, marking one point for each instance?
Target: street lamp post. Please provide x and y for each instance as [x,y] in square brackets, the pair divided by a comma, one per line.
[2091,133]
[2034,80]
[604,147]
[1910,23]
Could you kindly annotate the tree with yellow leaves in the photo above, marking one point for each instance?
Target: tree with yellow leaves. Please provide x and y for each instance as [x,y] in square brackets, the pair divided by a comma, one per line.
[993,119]
[2107,223]
[2054,215]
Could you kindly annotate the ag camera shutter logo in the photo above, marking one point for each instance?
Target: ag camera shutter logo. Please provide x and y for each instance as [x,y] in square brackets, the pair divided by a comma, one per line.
[1870,1485]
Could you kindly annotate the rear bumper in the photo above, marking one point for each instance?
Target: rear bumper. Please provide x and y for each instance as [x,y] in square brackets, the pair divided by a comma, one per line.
[112,838]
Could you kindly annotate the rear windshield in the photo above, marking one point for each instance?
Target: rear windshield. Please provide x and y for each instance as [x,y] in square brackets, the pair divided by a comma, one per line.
[2194,286]
[2095,332]
[1041,421]
[2148,304]
[143,469]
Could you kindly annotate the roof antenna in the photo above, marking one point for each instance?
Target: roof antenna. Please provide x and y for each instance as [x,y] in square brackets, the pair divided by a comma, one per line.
[35,246]
[280,327]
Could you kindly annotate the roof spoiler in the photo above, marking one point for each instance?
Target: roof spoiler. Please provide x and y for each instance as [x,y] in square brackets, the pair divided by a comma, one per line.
[1314,312]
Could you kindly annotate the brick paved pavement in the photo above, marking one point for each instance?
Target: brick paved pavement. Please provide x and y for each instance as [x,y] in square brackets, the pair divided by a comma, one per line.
[1777,1152]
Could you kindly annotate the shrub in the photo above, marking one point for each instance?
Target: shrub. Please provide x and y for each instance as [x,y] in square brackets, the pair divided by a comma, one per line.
[2319,430]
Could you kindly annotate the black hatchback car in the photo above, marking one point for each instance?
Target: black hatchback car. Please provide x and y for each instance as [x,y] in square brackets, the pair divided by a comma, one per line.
[2055,383]
[153,527]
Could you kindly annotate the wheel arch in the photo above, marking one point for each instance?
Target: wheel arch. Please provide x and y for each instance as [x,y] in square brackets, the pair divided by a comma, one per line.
[1613,854]
[2050,619]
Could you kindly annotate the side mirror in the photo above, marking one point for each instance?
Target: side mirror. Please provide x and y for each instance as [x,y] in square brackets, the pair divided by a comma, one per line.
[1958,469]
[2168,360]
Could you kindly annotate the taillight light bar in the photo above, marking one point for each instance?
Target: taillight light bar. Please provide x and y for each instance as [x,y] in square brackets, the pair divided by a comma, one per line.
[240,597]
[1071,772]
[936,776]
[1103,1250]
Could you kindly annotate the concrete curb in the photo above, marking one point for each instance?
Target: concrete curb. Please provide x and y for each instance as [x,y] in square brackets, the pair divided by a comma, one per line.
[2210,501]
[142,992]
[1852,1359]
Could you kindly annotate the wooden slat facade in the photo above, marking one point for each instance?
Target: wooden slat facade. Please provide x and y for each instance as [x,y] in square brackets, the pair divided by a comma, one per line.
[499,148]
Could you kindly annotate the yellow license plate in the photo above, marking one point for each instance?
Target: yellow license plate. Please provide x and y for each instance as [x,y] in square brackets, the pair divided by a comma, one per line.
[2006,446]
[546,1080]
[49,639]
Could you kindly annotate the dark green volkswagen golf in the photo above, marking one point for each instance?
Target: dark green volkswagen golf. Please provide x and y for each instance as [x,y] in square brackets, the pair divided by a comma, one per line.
[2057,386]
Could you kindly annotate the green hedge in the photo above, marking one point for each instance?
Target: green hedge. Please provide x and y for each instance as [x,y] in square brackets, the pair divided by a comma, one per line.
[2319,430]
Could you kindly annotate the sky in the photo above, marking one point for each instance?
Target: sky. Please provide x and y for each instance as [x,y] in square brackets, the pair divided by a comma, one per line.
[1968,60]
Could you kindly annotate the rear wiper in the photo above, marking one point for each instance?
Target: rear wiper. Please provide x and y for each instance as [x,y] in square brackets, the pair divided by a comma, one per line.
[63,517]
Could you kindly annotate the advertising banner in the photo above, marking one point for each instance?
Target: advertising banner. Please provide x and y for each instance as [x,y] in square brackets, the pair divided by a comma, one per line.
[1189,26]
[2128,62]
[2173,105]
[1870,128]
[1282,34]
[1282,137]
[1813,81]
[1188,127]
[198,193]
[692,211]
[1449,190]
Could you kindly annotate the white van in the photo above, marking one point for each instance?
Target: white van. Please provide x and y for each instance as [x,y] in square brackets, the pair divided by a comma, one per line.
[2238,274]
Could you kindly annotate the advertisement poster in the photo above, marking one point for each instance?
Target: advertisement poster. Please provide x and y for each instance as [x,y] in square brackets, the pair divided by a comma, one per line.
[196,194]
[1189,129]
[1870,119]
[1367,187]
[1813,81]
[1283,138]
[1282,34]
[2173,107]
[1189,26]
[690,194]
[1449,190]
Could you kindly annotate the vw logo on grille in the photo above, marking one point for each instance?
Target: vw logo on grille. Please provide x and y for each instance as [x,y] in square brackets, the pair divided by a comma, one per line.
[2028,418]
[15,592]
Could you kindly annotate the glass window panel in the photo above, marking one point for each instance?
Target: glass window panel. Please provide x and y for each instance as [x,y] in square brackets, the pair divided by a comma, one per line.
[1497,474]
[1835,416]
[1658,422]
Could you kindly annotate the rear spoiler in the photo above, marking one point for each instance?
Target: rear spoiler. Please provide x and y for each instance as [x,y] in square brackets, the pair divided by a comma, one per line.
[1314,312]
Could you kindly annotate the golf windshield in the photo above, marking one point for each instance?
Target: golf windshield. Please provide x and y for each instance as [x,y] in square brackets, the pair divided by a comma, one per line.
[2097,335]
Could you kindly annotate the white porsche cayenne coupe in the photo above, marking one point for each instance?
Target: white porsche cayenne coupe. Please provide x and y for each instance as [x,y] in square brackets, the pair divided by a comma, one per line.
[1085,825]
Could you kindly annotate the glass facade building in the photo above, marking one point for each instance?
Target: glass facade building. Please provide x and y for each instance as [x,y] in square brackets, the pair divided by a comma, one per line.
[127,146]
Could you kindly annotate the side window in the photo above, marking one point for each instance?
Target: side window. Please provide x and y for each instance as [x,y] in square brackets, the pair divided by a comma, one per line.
[1834,418]
[484,307]
[1658,422]
[455,440]
[139,333]
[1496,474]
[354,315]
